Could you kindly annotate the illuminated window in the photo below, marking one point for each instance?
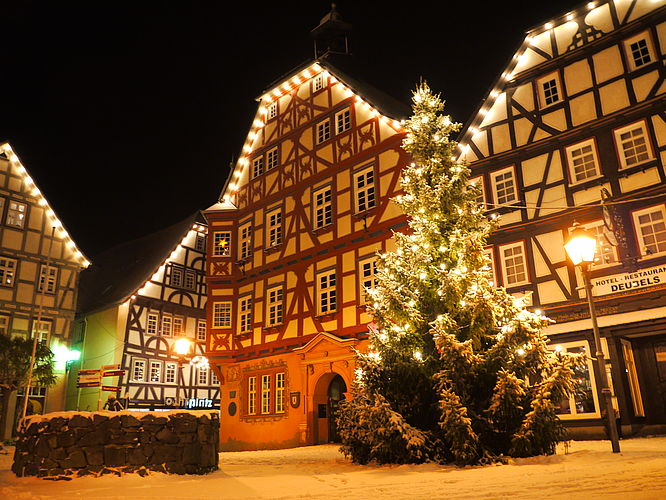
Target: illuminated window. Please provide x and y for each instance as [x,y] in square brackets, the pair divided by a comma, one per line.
[138,372]
[213,378]
[326,292]
[245,241]
[583,163]
[47,279]
[43,330]
[221,243]
[265,394]
[639,50]
[514,264]
[364,190]
[342,121]
[221,314]
[632,145]
[549,90]
[176,276]
[202,375]
[323,207]
[167,326]
[151,324]
[16,214]
[245,314]
[200,243]
[318,83]
[272,158]
[251,395]
[257,166]
[190,279]
[272,110]
[605,254]
[504,186]
[7,271]
[155,374]
[275,306]
[178,325]
[274,227]
[582,402]
[4,324]
[170,373]
[367,275]
[279,392]
[323,131]
[201,330]
[650,226]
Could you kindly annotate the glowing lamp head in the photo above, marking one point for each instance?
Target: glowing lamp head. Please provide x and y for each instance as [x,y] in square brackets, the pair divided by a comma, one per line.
[182,346]
[581,246]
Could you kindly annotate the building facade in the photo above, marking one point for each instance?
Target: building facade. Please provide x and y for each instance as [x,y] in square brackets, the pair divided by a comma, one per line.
[292,245]
[136,303]
[39,271]
[574,130]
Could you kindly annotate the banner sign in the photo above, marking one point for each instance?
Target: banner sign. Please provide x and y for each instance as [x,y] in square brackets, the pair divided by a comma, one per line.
[110,367]
[88,384]
[89,378]
[113,373]
[111,388]
[625,282]
[89,372]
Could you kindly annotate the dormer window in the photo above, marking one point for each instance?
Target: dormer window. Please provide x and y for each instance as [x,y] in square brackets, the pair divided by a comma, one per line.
[272,110]
[317,83]
[550,90]
[639,50]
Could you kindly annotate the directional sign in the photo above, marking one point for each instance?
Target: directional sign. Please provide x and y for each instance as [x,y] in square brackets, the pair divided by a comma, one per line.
[111,388]
[89,379]
[113,373]
[110,367]
[89,372]
[88,384]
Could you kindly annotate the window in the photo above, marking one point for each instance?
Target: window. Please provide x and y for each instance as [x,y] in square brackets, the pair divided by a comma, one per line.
[265,394]
[274,227]
[202,375]
[651,230]
[200,243]
[47,279]
[583,163]
[279,392]
[7,271]
[213,378]
[514,268]
[639,50]
[43,329]
[606,254]
[155,371]
[275,306]
[245,241]
[272,158]
[201,330]
[176,277]
[221,314]
[481,198]
[323,131]
[364,190]
[221,243]
[549,90]
[257,166]
[251,395]
[178,326]
[167,326]
[190,279]
[151,324]
[342,121]
[323,207]
[4,324]
[632,376]
[582,402]
[504,186]
[170,373]
[138,369]
[318,83]
[272,110]
[245,314]
[326,292]
[16,214]
[632,145]
[367,275]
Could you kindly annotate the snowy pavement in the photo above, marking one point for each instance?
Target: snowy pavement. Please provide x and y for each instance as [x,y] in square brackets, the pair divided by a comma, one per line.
[588,471]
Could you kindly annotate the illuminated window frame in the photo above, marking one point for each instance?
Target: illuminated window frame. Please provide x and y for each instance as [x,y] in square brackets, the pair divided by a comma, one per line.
[367,276]
[155,372]
[505,190]
[342,121]
[8,271]
[606,254]
[222,244]
[326,290]
[201,330]
[279,392]
[637,146]
[639,50]
[245,314]
[245,241]
[657,227]
[274,227]
[152,322]
[272,158]
[512,259]
[318,83]
[585,151]
[170,373]
[138,370]
[166,326]
[265,394]
[322,207]
[17,214]
[257,166]
[549,89]
[574,415]
[365,189]
[252,395]
[272,110]
[323,131]
[222,314]
[274,305]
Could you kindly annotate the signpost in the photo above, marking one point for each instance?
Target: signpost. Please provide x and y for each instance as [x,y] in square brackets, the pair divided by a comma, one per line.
[93,378]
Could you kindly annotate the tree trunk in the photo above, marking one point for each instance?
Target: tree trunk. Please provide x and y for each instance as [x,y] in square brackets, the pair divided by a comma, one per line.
[4,413]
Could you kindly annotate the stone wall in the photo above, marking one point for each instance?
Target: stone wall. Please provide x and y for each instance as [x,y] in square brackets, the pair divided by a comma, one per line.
[63,444]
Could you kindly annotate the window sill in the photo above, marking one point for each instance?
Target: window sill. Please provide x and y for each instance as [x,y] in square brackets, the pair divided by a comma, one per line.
[593,181]
[642,166]
[273,249]
[323,229]
[329,316]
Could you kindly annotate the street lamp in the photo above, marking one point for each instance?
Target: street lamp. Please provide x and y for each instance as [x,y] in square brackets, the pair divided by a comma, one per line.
[581,247]
[182,347]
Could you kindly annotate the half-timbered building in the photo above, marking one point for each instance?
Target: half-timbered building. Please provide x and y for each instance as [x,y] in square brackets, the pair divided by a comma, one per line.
[136,302]
[574,130]
[292,244]
[39,273]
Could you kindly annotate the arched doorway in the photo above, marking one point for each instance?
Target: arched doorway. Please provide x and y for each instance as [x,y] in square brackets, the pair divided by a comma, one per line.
[336,394]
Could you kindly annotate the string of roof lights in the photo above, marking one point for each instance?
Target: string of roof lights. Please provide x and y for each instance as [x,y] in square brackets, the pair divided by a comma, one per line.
[510,73]
[62,233]
[287,87]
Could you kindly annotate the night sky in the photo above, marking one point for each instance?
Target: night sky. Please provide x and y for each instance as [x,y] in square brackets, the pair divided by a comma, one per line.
[127,114]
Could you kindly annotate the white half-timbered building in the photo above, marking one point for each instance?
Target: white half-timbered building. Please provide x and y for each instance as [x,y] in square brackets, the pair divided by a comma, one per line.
[39,274]
[136,302]
[579,117]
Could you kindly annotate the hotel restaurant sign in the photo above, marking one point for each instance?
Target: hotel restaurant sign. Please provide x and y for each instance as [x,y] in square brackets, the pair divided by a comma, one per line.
[616,283]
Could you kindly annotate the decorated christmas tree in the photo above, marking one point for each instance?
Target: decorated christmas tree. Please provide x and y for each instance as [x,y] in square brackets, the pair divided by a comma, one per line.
[457,369]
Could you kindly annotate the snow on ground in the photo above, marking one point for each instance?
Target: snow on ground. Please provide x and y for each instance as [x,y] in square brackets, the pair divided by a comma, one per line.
[588,471]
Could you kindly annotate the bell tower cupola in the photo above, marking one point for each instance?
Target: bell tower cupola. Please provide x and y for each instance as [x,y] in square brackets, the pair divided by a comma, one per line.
[332,36]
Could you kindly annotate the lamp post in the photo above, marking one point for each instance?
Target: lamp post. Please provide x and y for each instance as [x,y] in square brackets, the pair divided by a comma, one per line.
[182,348]
[581,247]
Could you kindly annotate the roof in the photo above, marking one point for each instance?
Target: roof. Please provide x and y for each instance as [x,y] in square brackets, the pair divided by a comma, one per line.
[120,271]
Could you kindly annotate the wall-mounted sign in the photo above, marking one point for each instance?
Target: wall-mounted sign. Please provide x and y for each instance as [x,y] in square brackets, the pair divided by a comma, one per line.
[198,403]
[626,282]
[295,399]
